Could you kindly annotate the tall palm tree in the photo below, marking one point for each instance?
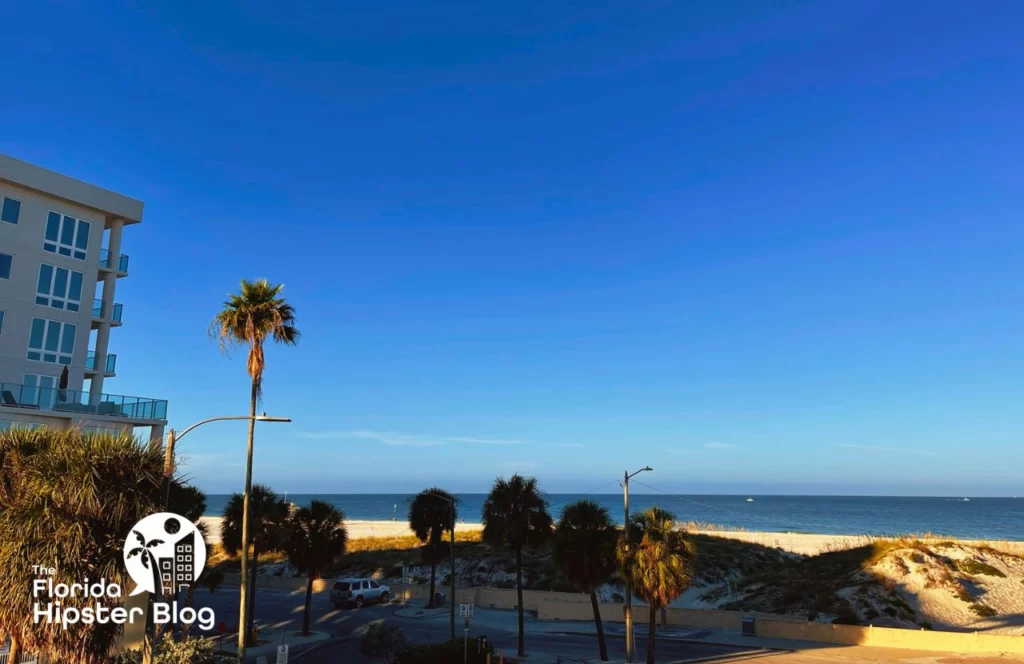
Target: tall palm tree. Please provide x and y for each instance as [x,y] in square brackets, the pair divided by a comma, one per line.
[515,515]
[659,563]
[316,537]
[268,518]
[431,514]
[585,544]
[251,316]
[74,500]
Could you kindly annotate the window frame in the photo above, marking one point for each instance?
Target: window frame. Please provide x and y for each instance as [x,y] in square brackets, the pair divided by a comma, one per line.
[10,269]
[60,302]
[42,352]
[58,246]
[3,206]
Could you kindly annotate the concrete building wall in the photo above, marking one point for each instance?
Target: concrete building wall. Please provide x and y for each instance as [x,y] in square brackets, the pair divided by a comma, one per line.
[24,241]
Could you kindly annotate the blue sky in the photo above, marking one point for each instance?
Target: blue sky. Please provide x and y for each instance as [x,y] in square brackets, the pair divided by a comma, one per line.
[762,247]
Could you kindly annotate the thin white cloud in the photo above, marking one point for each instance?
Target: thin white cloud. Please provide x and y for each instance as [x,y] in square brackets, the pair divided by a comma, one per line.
[404,439]
[719,446]
[876,448]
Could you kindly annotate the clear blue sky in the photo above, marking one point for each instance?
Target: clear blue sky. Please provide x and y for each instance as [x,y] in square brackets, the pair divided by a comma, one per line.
[766,247]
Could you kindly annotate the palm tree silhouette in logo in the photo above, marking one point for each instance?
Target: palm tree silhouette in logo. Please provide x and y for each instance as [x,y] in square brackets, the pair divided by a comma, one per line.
[148,560]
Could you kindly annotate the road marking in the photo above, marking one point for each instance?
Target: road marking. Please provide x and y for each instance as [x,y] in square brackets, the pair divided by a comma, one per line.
[733,657]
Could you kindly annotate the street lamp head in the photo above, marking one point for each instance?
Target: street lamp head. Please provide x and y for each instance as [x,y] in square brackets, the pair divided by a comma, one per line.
[646,468]
[267,418]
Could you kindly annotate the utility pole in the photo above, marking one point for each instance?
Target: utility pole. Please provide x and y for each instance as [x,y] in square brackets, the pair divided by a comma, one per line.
[629,588]
[451,562]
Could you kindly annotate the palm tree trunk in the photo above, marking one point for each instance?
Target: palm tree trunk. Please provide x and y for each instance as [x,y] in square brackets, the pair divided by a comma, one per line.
[243,636]
[433,573]
[252,594]
[601,646]
[519,595]
[309,600]
[652,619]
[15,652]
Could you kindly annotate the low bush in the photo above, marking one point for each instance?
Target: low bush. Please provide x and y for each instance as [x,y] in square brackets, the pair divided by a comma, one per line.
[449,652]
[169,651]
[972,566]
[383,640]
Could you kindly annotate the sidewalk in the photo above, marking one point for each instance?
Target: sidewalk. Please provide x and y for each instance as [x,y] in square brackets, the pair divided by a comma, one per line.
[270,640]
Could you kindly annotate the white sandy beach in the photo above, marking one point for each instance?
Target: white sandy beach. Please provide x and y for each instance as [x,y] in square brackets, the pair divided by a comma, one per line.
[805,544]
[356,529]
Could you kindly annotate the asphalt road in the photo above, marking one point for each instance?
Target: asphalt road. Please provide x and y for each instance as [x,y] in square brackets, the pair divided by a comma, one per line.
[276,610]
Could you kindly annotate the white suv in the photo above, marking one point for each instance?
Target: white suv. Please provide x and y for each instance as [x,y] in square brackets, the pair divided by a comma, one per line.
[356,592]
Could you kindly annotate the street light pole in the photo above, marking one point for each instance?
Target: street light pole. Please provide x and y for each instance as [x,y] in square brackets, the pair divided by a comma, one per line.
[172,439]
[629,590]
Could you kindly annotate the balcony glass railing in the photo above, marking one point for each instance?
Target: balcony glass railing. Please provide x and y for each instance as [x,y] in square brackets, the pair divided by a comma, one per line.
[110,364]
[107,261]
[99,311]
[14,395]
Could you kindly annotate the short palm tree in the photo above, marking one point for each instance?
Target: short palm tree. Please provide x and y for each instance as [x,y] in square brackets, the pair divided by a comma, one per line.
[268,518]
[251,316]
[73,499]
[431,514]
[584,550]
[515,515]
[658,562]
[316,538]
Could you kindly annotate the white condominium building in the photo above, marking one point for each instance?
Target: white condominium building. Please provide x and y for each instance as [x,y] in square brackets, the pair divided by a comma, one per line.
[60,260]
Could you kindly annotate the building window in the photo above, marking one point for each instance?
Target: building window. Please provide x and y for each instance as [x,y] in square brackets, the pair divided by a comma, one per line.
[5,266]
[59,288]
[1,322]
[10,211]
[66,236]
[51,341]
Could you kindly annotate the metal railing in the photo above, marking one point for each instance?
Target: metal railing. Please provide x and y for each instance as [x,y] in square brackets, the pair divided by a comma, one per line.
[109,366]
[24,658]
[100,311]
[15,395]
[107,261]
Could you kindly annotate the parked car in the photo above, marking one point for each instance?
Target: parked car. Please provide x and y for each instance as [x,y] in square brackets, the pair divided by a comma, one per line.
[356,592]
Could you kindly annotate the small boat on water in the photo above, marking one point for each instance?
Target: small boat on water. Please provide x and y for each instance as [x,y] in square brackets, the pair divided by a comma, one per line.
[966,500]
[750,500]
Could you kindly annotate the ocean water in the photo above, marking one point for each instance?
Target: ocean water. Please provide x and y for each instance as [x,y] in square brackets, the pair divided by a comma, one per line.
[977,518]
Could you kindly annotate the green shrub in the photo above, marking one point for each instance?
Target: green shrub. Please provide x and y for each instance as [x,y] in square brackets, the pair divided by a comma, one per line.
[449,652]
[383,640]
[972,566]
[169,651]
[846,616]
[982,610]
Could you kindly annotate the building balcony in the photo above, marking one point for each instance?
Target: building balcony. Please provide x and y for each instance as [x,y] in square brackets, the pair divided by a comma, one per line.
[108,262]
[72,403]
[108,367]
[99,313]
